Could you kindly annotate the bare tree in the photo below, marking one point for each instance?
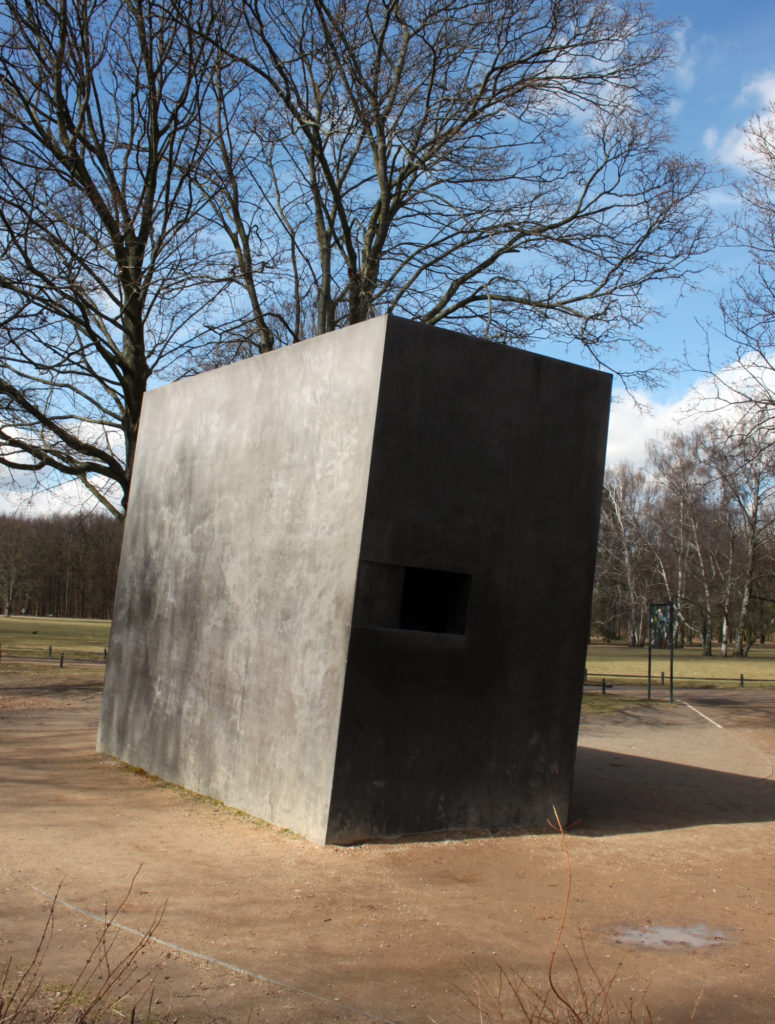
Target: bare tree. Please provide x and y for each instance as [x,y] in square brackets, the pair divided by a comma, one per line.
[747,309]
[743,456]
[504,168]
[59,565]
[16,557]
[625,569]
[714,527]
[693,530]
[102,258]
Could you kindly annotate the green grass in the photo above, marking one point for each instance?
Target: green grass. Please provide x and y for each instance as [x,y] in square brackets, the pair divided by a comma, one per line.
[690,667]
[597,704]
[28,636]
[33,676]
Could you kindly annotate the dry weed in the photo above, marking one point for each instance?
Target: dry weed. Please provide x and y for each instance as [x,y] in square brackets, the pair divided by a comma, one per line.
[111,985]
[507,996]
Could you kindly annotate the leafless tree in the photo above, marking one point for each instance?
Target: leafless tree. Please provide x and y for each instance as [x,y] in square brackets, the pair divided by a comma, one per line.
[747,308]
[64,564]
[698,526]
[102,259]
[16,555]
[743,456]
[625,571]
[693,530]
[504,168]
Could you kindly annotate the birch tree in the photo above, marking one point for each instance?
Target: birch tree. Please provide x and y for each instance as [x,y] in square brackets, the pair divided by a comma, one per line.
[695,544]
[625,563]
[743,456]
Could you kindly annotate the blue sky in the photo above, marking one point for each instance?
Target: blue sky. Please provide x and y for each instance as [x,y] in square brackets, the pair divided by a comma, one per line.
[726,74]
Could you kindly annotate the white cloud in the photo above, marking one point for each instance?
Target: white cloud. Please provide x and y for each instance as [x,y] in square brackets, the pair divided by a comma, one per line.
[22,495]
[731,147]
[674,107]
[760,91]
[722,199]
[710,139]
[47,492]
[685,59]
[633,423]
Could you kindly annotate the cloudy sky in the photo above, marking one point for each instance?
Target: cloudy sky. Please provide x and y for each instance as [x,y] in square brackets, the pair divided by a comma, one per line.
[726,75]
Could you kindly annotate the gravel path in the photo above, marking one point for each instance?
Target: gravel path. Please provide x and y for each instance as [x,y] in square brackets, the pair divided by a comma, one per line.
[671,851]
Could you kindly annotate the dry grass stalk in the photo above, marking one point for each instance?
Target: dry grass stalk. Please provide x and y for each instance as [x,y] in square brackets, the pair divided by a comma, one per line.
[509,997]
[111,985]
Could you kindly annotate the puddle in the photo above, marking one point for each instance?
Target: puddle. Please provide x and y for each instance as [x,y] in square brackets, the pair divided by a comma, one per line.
[661,937]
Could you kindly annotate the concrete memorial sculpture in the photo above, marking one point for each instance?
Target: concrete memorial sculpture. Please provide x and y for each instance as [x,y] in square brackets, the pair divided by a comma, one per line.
[355,584]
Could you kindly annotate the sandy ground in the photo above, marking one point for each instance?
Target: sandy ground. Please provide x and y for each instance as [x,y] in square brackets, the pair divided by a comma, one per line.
[671,846]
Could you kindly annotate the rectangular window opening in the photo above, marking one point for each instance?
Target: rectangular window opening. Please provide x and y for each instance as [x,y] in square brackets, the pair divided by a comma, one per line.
[434,601]
[408,597]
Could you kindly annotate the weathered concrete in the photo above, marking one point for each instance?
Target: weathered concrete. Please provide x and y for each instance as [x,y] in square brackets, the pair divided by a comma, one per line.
[237,576]
[437,686]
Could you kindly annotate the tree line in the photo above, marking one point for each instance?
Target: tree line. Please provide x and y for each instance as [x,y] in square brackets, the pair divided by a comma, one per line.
[62,565]
[696,525]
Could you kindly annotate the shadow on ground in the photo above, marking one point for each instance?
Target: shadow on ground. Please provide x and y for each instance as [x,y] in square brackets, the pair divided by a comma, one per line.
[89,688]
[618,793]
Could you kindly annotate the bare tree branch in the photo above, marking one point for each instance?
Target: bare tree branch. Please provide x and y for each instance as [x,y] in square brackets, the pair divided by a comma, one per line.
[102,250]
[505,169]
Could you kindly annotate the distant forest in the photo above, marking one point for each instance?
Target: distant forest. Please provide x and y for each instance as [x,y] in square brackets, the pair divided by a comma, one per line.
[696,524]
[59,565]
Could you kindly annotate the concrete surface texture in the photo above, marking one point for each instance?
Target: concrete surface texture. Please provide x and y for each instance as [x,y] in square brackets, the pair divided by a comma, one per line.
[354,591]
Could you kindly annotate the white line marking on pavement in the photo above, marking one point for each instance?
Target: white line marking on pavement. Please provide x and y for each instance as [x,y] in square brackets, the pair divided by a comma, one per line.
[701,714]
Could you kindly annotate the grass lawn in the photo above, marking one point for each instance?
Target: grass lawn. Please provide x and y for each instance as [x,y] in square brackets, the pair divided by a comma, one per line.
[690,668]
[597,704]
[35,677]
[27,636]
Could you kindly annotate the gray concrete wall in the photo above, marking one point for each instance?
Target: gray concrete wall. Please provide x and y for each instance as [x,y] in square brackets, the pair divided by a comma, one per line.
[355,586]
[487,464]
[236,584]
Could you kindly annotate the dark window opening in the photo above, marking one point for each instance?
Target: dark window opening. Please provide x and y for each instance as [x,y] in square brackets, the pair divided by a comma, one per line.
[406,597]
[434,601]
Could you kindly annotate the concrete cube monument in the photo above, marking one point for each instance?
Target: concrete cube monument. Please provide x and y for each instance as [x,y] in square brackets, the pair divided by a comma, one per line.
[355,585]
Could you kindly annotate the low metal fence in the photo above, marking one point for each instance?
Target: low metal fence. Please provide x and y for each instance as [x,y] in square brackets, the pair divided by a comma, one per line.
[47,654]
[607,681]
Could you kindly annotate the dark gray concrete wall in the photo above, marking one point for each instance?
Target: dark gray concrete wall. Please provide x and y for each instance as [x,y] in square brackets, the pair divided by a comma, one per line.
[235,594]
[487,467]
[355,586]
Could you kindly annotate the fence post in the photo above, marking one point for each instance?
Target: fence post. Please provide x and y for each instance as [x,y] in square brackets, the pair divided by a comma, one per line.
[62,659]
[663,678]
[742,680]
[105,658]
[49,650]
[602,685]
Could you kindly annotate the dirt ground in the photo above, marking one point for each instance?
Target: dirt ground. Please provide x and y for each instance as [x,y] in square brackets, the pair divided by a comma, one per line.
[671,846]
